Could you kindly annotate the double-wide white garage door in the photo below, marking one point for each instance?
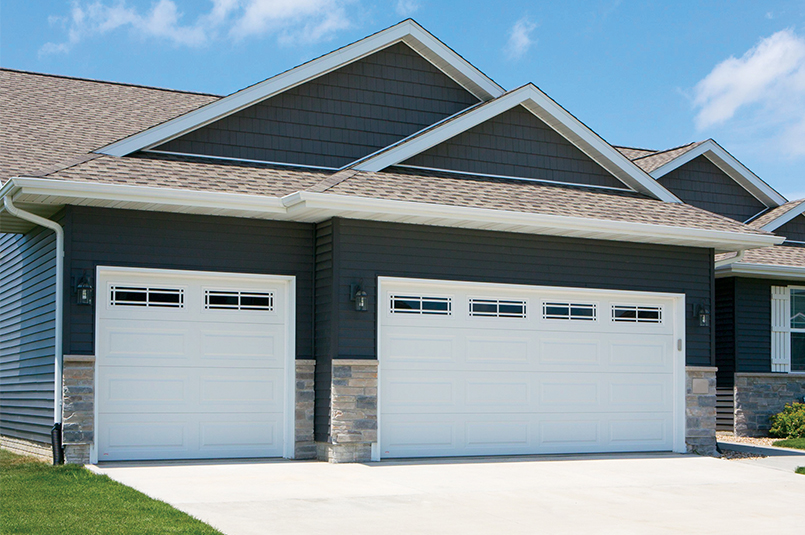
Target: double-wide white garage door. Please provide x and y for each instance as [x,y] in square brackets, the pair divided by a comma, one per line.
[191,365]
[475,369]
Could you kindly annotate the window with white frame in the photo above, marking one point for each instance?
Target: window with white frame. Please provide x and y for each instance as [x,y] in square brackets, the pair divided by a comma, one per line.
[787,329]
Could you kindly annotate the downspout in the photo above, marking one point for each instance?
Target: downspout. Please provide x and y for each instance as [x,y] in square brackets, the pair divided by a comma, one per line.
[56,435]
[731,260]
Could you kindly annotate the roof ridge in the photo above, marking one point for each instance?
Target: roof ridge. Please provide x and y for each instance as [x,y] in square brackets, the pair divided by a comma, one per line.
[636,148]
[668,150]
[110,82]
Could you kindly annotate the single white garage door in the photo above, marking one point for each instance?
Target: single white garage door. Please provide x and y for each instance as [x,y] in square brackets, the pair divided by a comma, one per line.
[191,365]
[481,369]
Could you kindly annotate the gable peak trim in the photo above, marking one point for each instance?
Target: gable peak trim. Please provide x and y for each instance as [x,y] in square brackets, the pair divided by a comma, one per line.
[408,31]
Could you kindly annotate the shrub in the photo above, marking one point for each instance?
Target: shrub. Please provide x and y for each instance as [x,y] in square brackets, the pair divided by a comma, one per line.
[790,422]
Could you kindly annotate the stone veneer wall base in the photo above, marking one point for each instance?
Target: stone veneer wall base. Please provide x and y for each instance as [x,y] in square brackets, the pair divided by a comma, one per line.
[78,412]
[700,410]
[761,395]
[353,412]
[304,444]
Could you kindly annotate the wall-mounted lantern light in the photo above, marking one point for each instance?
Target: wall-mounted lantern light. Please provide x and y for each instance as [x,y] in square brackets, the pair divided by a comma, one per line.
[702,314]
[83,291]
[359,295]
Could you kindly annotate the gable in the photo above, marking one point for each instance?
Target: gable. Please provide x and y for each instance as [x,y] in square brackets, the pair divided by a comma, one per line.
[701,183]
[794,230]
[515,143]
[336,118]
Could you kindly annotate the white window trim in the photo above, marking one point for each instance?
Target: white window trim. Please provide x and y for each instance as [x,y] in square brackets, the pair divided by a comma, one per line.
[792,331]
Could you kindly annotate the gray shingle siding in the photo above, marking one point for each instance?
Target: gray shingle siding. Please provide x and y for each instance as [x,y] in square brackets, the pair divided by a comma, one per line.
[702,184]
[27,334]
[794,230]
[363,251]
[518,144]
[338,117]
[174,241]
[753,324]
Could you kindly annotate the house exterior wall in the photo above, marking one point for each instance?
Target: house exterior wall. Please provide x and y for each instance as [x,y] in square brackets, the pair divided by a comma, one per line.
[516,143]
[702,184]
[128,238]
[724,325]
[761,395]
[27,334]
[338,117]
[361,251]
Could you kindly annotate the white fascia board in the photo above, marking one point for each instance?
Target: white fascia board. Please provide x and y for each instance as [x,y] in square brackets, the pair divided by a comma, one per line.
[361,207]
[731,166]
[783,219]
[761,271]
[408,31]
[147,195]
[546,110]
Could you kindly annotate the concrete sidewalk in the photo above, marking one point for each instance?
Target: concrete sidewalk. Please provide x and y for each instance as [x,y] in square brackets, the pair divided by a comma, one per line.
[784,459]
[595,494]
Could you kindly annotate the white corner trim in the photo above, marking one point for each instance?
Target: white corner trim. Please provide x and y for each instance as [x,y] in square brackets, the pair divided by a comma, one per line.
[785,218]
[407,31]
[547,111]
[762,271]
[731,166]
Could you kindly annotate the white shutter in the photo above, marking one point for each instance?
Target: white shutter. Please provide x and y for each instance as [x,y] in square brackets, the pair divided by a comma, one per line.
[780,329]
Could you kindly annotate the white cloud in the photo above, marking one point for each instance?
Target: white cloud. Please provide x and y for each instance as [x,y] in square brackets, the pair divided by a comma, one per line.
[406,8]
[760,95]
[520,38]
[292,21]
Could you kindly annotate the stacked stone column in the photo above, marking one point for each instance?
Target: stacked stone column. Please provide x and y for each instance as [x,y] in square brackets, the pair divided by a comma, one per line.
[700,410]
[78,411]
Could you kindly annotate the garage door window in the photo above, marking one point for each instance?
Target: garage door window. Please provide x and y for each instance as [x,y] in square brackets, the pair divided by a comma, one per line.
[636,314]
[236,300]
[406,304]
[146,297]
[569,311]
[498,308]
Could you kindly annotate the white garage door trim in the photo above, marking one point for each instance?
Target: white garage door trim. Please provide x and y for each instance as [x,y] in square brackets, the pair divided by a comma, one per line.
[103,273]
[676,315]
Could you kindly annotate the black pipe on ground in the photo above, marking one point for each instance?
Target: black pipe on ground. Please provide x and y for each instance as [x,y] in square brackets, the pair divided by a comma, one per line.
[56,443]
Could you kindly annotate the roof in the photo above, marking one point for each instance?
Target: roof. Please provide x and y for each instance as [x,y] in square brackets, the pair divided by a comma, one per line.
[778,262]
[633,152]
[655,160]
[49,120]
[774,219]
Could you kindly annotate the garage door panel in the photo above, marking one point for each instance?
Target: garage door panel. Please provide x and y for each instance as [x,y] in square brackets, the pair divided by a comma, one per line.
[405,348]
[498,350]
[190,382]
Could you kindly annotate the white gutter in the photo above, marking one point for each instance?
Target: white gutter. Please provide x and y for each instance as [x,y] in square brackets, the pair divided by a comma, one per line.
[762,271]
[55,227]
[731,260]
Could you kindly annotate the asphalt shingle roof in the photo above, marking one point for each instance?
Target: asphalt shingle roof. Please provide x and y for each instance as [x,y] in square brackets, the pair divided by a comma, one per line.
[650,162]
[775,213]
[49,120]
[778,255]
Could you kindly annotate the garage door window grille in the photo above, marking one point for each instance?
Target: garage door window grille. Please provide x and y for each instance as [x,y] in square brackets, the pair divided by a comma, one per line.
[133,296]
[636,314]
[405,304]
[237,300]
[569,311]
[497,308]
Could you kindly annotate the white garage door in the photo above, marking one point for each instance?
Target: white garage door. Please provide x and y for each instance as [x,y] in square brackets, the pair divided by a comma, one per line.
[475,369]
[191,365]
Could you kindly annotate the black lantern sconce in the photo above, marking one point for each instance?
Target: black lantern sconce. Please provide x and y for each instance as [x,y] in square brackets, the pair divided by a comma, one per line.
[702,314]
[83,291]
[359,296]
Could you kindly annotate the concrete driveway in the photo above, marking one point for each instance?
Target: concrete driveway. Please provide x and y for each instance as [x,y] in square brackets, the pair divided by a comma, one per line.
[596,494]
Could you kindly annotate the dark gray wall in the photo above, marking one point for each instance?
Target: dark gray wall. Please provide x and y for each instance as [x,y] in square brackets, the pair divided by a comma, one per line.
[27,334]
[336,118]
[362,251]
[794,230]
[173,241]
[516,143]
[701,183]
[724,325]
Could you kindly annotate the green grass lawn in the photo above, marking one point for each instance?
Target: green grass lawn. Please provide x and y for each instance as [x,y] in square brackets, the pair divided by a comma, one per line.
[41,499]
[800,470]
[797,443]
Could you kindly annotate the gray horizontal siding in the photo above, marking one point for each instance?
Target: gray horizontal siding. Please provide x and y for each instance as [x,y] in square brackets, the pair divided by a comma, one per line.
[325,299]
[172,241]
[27,334]
[336,118]
[363,251]
[516,143]
[702,184]
[724,325]
[794,230]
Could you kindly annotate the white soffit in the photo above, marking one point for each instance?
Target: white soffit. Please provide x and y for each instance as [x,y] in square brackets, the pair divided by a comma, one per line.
[408,31]
[731,166]
[548,111]
[316,207]
[785,218]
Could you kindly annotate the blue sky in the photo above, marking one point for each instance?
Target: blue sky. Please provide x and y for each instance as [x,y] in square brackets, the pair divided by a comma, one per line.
[647,74]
